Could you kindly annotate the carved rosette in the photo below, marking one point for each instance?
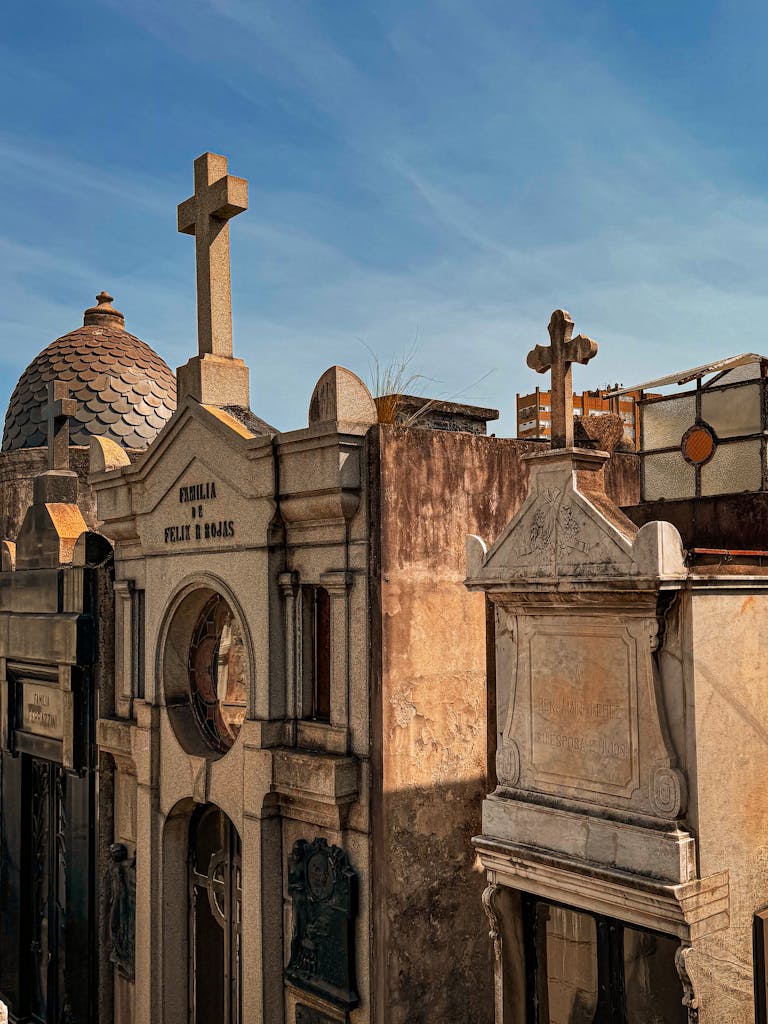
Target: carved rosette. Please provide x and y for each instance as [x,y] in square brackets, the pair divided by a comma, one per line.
[508,763]
[669,792]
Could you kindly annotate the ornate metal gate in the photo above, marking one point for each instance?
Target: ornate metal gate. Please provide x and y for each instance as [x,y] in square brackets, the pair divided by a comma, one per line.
[215,918]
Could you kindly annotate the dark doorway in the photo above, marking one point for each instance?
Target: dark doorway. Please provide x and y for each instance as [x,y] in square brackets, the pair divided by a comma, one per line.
[215,918]
[47,871]
[585,968]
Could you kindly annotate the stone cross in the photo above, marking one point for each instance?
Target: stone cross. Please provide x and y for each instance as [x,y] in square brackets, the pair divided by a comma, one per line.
[60,408]
[218,196]
[558,356]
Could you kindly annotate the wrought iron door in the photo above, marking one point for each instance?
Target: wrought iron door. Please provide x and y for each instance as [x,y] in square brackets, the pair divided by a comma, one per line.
[48,975]
[215,918]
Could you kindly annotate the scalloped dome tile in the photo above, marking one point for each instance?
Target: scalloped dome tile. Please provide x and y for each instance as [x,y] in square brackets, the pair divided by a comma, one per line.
[111,374]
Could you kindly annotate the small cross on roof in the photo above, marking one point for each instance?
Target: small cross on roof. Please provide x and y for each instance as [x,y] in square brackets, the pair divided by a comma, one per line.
[59,410]
[558,357]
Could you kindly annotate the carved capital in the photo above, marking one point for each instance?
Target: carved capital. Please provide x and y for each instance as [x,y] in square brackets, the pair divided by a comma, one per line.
[337,582]
[289,583]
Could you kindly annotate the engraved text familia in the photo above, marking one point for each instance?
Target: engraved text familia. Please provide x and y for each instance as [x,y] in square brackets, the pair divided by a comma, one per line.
[193,497]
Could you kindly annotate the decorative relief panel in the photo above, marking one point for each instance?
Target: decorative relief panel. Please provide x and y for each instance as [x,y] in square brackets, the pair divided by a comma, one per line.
[585,723]
[323,886]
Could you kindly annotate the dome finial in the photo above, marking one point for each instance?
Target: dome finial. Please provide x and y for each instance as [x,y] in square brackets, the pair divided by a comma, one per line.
[105,314]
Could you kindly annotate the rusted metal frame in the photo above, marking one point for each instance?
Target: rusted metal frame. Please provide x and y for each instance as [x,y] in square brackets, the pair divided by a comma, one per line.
[698,421]
[705,387]
[729,551]
[758,436]
[695,373]
[764,424]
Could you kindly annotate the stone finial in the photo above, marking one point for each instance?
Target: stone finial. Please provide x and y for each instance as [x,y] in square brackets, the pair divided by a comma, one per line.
[104,314]
[340,395]
[7,556]
[213,377]
[558,357]
[104,455]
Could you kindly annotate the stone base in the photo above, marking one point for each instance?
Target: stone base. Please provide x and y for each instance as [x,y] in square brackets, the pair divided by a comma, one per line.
[214,380]
[668,853]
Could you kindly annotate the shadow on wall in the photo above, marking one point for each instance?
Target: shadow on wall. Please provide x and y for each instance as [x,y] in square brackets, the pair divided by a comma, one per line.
[437,953]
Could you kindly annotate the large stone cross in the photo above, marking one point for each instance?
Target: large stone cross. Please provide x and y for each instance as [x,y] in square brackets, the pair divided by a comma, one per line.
[558,356]
[218,197]
[60,408]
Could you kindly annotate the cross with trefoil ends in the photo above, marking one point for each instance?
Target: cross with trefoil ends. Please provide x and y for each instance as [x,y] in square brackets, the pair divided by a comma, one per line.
[218,197]
[558,356]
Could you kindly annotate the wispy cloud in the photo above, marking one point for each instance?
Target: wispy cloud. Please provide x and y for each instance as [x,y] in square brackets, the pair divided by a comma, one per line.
[453,169]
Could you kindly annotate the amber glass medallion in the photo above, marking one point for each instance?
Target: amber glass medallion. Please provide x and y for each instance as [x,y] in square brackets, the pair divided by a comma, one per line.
[698,444]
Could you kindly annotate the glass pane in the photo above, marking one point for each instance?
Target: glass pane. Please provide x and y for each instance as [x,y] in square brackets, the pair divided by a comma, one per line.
[667,475]
[665,422]
[571,966]
[217,672]
[746,372]
[734,467]
[653,990]
[733,412]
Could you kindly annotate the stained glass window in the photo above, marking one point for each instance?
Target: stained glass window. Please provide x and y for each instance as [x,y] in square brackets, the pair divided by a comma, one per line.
[217,673]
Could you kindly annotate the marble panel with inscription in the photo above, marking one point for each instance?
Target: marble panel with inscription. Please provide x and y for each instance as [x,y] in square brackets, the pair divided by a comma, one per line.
[42,710]
[583,719]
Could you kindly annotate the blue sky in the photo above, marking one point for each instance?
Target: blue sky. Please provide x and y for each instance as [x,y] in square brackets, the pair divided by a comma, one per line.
[445,172]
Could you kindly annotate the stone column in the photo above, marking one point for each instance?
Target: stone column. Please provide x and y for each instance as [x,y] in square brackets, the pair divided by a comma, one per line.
[123,648]
[289,585]
[338,583]
[262,880]
[149,872]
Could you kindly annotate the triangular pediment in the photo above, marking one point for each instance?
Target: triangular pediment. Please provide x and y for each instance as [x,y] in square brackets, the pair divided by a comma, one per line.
[195,486]
[568,528]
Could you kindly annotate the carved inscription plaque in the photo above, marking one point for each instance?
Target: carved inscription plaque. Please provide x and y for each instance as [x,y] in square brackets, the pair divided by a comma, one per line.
[200,517]
[42,710]
[582,711]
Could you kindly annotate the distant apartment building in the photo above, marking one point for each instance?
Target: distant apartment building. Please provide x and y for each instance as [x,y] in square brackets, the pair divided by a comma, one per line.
[534,411]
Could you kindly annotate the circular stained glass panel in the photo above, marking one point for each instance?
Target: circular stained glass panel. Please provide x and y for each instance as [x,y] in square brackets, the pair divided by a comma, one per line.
[698,445]
[217,673]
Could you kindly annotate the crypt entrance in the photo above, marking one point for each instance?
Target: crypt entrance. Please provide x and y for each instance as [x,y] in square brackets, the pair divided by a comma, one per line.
[215,901]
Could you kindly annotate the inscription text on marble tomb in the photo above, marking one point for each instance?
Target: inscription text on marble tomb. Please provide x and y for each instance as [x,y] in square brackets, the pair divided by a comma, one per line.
[580,710]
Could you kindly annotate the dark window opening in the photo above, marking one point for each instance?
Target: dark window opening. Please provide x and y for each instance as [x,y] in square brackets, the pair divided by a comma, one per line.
[584,968]
[316,605]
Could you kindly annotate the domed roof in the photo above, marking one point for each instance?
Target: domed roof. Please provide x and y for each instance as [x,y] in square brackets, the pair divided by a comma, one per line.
[123,389]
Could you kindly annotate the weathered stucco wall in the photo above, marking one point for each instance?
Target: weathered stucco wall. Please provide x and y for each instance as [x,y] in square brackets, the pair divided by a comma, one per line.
[434,958]
[435,487]
[19,468]
[17,471]
[725,650]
